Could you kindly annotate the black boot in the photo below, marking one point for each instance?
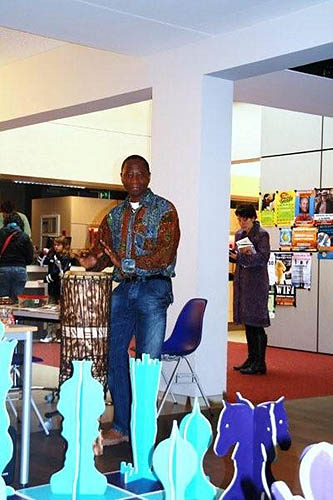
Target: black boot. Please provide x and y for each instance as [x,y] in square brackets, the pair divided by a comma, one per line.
[259,365]
[250,349]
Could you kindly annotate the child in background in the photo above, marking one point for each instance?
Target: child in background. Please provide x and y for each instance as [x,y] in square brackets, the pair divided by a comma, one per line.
[58,260]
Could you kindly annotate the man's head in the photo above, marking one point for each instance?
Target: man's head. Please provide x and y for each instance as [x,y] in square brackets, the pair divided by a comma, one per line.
[135,176]
[13,218]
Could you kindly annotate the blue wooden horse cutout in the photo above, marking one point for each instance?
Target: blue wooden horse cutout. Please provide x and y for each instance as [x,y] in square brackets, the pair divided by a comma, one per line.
[280,431]
[249,430]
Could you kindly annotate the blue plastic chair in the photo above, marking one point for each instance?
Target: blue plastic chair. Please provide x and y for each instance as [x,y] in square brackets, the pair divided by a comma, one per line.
[185,339]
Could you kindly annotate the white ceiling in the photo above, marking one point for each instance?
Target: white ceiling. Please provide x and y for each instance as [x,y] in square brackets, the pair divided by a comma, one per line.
[143,27]
[16,45]
[133,27]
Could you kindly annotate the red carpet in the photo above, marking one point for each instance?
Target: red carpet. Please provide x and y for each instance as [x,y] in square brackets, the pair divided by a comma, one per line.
[49,352]
[293,374]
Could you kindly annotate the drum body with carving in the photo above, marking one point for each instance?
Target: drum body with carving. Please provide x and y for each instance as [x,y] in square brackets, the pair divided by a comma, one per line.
[84,317]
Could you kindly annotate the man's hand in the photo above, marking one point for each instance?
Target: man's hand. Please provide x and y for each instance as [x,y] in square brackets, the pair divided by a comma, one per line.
[113,256]
[87,260]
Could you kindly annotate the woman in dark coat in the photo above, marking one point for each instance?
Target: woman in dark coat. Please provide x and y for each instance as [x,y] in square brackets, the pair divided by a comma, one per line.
[16,253]
[251,287]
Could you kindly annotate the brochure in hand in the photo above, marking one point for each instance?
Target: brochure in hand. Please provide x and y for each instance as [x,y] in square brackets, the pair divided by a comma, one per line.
[245,245]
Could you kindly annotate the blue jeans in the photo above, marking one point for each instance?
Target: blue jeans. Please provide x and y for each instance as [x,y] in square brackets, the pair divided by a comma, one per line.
[12,281]
[137,308]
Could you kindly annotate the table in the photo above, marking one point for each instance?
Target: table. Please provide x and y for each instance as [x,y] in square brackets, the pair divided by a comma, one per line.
[24,333]
[44,313]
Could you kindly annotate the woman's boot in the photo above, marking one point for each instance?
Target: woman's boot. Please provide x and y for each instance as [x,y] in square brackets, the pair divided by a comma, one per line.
[250,349]
[259,365]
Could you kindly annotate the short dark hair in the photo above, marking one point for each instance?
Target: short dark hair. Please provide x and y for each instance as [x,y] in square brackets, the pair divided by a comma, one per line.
[7,207]
[139,158]
[13,218]
[246,210]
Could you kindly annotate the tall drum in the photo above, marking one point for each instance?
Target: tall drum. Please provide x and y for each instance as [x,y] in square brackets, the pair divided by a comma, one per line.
[84,317]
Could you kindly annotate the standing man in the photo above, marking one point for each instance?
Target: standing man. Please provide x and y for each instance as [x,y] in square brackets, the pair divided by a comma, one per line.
[140,237]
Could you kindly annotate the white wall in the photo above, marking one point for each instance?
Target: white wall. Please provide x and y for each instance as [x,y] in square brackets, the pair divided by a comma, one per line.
[294,159]
[94,144]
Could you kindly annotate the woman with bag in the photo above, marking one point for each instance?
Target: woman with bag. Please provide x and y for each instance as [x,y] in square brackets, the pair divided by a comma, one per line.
[16,252]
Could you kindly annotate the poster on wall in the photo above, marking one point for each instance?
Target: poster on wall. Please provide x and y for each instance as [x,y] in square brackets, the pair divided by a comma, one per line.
[267,209]
[283,262]
[285,295]
[285,291]
[271,269]
[285,208]
[285,237]
[325,241]
[304,238]
[323,212]
[304,208]
[271,302]
[301,270]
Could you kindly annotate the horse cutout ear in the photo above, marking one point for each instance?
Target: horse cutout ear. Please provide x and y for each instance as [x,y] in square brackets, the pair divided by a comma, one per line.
[241,399]
[281,398]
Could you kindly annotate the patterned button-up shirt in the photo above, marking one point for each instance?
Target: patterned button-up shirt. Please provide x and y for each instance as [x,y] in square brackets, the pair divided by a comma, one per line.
[149,235]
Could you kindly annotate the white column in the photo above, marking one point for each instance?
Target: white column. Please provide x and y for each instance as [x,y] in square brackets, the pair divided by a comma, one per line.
[191,152]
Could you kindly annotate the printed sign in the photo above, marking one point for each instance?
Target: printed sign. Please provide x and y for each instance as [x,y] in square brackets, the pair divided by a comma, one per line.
[304,238]
[285,295]
[304,208]
[267,209]
[283,268]
[301,270]
[323,212]
[325,241]
[285,208]
[271,302]
[285,237]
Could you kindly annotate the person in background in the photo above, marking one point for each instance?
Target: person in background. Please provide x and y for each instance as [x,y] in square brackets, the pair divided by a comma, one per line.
[251,287]
[323,203]
[16,252]
[58,260]
[6,208]
[140,238]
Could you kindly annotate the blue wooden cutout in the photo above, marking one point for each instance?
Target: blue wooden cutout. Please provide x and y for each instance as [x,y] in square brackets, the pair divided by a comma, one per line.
[81,403]
[6,449]
[280,431]
[145,379]
[249,430]
[175,462]
[196,429]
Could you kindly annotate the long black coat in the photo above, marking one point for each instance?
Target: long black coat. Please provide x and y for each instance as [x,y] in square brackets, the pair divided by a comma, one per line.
[251,283]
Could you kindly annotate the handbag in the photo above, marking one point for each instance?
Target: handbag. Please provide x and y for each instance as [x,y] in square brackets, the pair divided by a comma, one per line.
[6,243]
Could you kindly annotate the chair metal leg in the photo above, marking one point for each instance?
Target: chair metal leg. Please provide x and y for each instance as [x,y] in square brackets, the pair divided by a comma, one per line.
[196,378]
[39,416]
[166,383]
[11,404]
[167,390]
[16,377]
